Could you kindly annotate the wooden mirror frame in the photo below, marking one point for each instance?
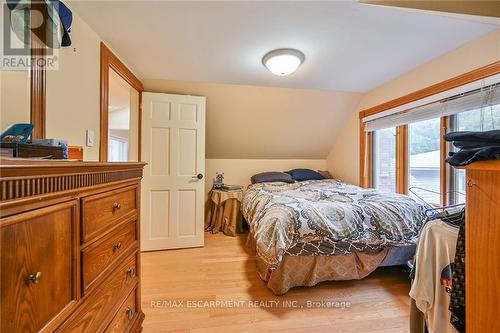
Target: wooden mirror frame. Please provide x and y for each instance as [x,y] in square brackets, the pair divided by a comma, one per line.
[111,61]
[37,91]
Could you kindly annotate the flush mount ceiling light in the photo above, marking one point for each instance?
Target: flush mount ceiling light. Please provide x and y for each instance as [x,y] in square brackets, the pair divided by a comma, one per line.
[283,62]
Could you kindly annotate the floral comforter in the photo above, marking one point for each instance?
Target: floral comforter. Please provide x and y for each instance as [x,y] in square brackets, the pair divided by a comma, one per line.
[327,217]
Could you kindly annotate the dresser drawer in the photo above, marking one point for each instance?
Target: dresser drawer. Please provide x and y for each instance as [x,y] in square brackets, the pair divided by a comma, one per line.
[92,316]
[39,268]
[103,210]
[125,316]
[101,255]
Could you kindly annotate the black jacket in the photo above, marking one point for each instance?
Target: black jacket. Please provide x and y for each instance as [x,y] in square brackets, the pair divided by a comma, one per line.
[474,146]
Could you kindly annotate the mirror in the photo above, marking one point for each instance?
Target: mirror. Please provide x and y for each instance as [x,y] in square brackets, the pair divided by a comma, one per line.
[14,97]
[123,119]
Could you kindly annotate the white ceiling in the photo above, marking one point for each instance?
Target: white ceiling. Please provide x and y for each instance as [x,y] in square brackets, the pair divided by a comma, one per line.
[348,46]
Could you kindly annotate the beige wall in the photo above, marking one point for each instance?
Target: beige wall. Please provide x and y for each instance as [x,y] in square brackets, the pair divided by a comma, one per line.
[73,92]
[72,95]
[343,159]
[252,122]
[239,171]
[14,98]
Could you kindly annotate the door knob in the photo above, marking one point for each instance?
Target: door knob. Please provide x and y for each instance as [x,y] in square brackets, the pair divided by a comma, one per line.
[198,176]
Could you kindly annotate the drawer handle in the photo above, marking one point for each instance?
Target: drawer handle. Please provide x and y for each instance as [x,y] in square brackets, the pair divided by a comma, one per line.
[34,278]
[131,272]
[470,183]
[116,206]
[117,246]
[129,313]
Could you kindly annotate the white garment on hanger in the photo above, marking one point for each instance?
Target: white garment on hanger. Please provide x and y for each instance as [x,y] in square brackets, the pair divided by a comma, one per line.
[430,288]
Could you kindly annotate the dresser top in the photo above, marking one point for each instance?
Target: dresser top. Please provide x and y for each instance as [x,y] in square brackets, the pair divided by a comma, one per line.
[18,167]
[492,165]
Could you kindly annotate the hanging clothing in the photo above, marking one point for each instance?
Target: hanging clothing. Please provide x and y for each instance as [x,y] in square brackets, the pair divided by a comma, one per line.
[457,295]
[474,146]
[492,138]
[433,275]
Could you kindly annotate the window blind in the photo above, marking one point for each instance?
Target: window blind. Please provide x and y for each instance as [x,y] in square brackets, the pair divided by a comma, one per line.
[483,99]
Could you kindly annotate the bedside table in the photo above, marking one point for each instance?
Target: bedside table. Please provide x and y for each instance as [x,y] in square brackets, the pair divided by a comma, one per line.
[224,212]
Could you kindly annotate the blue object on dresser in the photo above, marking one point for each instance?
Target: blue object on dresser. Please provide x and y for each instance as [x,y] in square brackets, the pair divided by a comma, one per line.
[17,133]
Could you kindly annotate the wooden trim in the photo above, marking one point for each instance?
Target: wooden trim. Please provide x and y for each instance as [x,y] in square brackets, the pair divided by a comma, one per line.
[443,169]
[362,153]
[120,68]
[457,81]
[111,61]
[139,129]
[37,91]
[369,158]
[19,167]
[365,157]
[402,159]
[104,99]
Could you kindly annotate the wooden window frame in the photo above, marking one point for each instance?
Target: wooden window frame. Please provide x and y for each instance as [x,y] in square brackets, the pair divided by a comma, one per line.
[365,138]
[401,159]
[110,61]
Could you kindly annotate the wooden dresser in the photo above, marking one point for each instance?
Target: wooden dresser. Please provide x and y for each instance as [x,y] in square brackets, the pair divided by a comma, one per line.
[69,246]
[482,247]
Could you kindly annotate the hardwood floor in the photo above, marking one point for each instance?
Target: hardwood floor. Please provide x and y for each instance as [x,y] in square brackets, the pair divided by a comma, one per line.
[175,282]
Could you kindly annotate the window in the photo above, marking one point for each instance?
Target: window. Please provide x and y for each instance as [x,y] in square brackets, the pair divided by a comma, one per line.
[425,160]
[485,119]
[118,149]
[384,159]
[401,146]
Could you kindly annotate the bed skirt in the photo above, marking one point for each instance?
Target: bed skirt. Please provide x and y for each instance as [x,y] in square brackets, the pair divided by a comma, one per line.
[308,271]
[295,271]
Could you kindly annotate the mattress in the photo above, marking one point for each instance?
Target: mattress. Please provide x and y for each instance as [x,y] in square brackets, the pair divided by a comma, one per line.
[327,218]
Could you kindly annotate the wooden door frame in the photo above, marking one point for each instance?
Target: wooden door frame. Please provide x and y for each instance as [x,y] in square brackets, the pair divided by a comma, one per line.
[365,149]
[110,61]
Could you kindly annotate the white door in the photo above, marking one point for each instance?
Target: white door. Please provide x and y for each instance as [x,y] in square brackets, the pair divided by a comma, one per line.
[173,146]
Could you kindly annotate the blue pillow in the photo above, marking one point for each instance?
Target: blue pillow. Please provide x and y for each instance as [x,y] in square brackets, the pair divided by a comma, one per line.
[305,174]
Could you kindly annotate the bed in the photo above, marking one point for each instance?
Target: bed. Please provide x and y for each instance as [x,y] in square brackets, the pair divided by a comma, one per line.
[320,230]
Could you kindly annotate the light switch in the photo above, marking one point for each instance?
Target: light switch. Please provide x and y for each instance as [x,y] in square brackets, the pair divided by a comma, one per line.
[90,138]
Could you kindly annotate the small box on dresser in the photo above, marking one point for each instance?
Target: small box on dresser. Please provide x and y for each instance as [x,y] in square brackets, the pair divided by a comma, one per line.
[69,238]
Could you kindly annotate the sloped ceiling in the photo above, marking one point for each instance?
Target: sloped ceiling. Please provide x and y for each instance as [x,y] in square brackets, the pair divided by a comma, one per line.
[251,122]
[350,48]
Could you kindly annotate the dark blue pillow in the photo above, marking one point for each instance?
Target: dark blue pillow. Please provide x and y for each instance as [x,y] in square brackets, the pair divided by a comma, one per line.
[305,174]
[272,176]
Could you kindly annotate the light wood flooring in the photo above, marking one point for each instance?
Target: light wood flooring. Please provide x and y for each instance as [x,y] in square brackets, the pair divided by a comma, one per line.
[175,281]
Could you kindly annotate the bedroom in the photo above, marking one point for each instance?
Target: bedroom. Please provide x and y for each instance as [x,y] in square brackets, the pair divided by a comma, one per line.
[347,153]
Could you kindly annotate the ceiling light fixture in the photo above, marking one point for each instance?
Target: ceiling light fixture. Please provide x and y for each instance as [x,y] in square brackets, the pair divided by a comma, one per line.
[283,62]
